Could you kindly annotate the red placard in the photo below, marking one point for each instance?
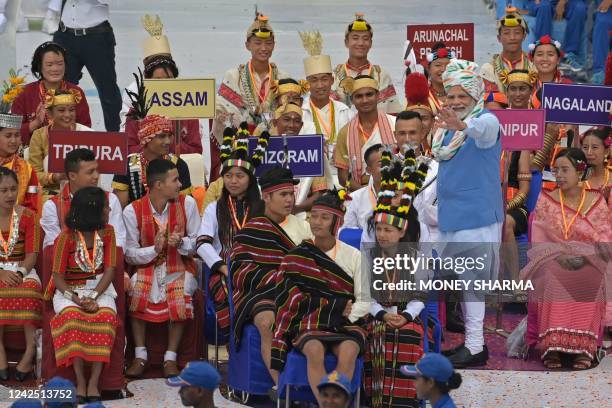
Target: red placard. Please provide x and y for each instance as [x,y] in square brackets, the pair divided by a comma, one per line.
[458,37]
[521,129]
[110,149]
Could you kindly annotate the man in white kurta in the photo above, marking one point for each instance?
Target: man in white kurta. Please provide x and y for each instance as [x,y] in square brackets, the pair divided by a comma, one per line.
[363,201]
[328,115]
[81,170]
[470,210]
[172,234]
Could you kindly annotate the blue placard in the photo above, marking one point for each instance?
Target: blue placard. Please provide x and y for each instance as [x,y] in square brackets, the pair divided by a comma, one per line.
[577,104]
[304,152]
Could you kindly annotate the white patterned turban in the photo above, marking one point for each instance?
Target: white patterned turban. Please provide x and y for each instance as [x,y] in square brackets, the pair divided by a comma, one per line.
[466,75]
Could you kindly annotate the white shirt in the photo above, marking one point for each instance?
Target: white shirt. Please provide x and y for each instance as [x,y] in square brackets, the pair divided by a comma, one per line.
[342,115]
[50,223]
[360,207]
[136,255]
[426,205]
[85,13]
[349,259]
[297,229]
[483,129]
[210,227]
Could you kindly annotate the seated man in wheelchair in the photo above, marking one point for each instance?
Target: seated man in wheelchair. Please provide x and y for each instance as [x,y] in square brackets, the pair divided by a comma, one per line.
[319,297]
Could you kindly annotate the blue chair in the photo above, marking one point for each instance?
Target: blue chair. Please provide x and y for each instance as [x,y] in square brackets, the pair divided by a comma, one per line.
[430,312]
[211,327]
[351,236]
[293,381]
[247,372]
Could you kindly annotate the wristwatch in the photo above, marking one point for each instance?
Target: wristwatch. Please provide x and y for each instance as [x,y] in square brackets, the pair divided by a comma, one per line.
[22,271]
[68,294]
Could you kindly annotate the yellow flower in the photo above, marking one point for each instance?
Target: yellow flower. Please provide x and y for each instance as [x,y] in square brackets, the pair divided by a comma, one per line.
[6,98]
[17,80]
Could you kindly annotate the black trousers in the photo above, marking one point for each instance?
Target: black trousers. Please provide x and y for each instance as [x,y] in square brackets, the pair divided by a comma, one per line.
[96,52]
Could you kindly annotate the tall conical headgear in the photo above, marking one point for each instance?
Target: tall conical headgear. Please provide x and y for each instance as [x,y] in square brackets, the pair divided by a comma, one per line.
[315,63]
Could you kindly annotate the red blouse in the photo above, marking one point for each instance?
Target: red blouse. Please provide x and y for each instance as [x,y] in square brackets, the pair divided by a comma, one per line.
[64,262]
[27,103]
[28,240]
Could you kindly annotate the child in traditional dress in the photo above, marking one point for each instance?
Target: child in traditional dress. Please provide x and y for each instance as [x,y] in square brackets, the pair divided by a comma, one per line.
[84,259]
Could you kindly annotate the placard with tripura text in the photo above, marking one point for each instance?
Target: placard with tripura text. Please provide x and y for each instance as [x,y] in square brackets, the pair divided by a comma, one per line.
[110,149]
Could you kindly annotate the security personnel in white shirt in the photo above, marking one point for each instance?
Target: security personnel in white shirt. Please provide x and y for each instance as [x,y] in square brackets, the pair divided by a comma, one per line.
[85,32]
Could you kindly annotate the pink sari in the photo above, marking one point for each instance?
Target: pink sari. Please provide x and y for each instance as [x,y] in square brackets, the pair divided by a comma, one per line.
[570,304]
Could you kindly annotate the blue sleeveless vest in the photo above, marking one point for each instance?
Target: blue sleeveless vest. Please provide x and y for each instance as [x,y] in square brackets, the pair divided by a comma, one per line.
[469,187]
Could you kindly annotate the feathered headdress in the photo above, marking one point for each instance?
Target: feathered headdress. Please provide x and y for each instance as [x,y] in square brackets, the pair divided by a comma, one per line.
[234,151]
[312,42]
[140,107]
[409,181]
[416,88]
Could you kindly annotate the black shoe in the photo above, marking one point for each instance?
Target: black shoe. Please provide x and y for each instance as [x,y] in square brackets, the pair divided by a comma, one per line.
[81,400]
[21,377]
[463,358]
[94,398]
[452,351]
[4,374]
[454,323]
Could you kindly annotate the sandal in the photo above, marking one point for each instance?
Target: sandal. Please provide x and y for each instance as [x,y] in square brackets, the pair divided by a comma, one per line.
[582,363]
[552,362]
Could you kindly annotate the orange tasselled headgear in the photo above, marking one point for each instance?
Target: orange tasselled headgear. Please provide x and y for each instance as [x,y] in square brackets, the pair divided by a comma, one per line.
[151,126]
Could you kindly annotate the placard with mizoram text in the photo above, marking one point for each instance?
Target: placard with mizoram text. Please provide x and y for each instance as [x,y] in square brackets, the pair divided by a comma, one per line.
[110,149]
[304,154]
[577,104]
[521,129]
[457,37]
[181,98]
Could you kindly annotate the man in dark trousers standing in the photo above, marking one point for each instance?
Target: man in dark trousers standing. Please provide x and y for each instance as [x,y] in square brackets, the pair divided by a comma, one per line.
[87,35]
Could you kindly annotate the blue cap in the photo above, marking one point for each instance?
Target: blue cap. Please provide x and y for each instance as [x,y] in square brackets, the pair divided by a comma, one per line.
[431,365]
[60,383]
[196,374]
[339,380]
[96,404]
[27,403]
